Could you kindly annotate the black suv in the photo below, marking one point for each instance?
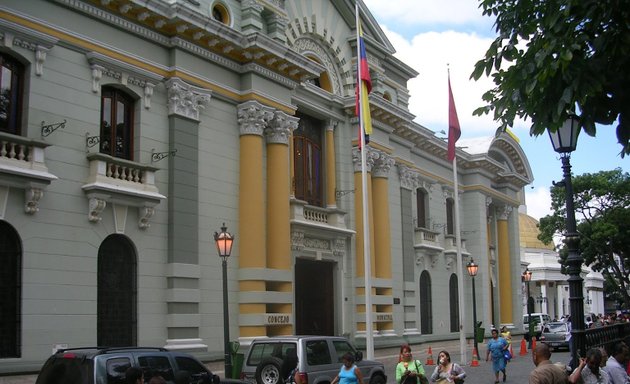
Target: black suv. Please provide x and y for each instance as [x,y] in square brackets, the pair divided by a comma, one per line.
[108,366]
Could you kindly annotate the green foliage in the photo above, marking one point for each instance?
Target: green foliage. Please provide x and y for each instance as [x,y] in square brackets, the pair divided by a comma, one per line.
[552,56]
[602,208]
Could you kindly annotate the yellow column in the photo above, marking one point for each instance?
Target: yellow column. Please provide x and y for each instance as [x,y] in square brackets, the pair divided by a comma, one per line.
[331,184]
[278,227]
[505,270]
[382,238]
[252,118]
[358,209]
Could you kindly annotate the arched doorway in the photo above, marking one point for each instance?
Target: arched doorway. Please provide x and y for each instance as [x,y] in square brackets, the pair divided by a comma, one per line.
[117,292]
[426,304]
[10,291]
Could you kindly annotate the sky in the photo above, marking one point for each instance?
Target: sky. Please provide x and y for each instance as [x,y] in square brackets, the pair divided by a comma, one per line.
[431,36]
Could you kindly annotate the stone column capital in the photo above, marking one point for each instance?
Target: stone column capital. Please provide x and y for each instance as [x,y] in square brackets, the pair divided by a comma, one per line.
[280,127]
[370,157]
[331,124]
[186,100]
[253,117]
[504,211]
[382,165]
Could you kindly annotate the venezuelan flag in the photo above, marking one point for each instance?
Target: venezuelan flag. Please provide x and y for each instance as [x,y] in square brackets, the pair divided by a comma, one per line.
[364,87]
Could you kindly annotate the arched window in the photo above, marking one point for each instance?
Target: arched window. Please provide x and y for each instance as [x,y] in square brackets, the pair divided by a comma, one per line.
[10,291]
[323,81]
[450,218]
[453,301]
[307,160]
[421,208]
[426,304]
[11,94]
[220,13]
[116,123]
[116,301]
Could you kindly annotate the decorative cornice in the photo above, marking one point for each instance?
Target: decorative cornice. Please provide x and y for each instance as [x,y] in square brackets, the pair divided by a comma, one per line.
[280,127]
[12,35]
[297,240]
[186,100]
[253,117]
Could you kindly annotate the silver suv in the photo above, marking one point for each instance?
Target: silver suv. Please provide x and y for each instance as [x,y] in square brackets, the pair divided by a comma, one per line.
[318,360]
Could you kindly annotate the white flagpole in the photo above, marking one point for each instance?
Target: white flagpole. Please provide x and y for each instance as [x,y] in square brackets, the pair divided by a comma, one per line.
[460,262]
[369,336]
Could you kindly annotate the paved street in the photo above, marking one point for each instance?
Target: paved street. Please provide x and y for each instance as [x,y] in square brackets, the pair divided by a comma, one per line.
[518,369]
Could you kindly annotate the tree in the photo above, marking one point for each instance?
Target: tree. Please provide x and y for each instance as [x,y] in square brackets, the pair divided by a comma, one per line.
[602,207]
[560,55]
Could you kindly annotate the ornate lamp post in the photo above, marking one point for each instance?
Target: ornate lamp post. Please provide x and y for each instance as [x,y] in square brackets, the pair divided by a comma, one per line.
[472,271]
[527,277]
[564,141]
[224,241]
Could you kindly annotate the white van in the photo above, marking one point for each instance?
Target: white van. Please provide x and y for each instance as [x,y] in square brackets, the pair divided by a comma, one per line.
[538,320]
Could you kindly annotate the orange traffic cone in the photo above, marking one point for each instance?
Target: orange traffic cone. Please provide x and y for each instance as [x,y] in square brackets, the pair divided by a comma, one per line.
[475,358]
[523,348]
[430,357]
[511,351]
[533,342]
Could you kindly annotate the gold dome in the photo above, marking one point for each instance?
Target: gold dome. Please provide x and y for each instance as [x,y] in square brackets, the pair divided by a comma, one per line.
[528,227]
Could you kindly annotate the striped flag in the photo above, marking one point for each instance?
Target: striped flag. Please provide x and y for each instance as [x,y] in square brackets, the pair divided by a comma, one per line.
[364,87]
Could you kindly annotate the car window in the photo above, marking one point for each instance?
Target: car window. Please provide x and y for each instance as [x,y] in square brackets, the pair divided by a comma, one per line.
[317,352]
[341,348]
[196,369]
[156,365]
[260,351]
[552,328]
[66,371]
[116,369]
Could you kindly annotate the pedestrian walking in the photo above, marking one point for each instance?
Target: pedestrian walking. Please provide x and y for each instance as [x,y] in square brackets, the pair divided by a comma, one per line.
[349,372]
[496,348]
[446,371]
[546,372]
[408,370]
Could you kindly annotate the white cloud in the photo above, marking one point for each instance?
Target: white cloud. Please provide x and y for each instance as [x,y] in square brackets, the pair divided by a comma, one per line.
[420,12]
[429,53]
[538,202]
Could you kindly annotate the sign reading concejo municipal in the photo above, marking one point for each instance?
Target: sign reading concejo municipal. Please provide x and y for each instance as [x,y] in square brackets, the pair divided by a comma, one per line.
[278,319]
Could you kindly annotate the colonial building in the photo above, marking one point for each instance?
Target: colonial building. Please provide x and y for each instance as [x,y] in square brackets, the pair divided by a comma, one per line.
[130,130]
[549,288]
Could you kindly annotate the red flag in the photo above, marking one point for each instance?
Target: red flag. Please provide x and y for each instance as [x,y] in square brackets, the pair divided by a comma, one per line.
[454,131]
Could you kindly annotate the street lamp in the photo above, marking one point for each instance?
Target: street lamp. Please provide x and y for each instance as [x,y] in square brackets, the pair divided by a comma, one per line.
[564,141]
[472,271]
[527,276]
[224,241]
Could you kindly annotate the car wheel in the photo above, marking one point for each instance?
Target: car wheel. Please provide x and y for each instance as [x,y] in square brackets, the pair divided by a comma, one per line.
[378,379]
[268,371]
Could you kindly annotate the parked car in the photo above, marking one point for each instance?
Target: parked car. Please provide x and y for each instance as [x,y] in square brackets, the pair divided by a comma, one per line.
[555,335]
[538,320]
[108,366]
[318,360]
